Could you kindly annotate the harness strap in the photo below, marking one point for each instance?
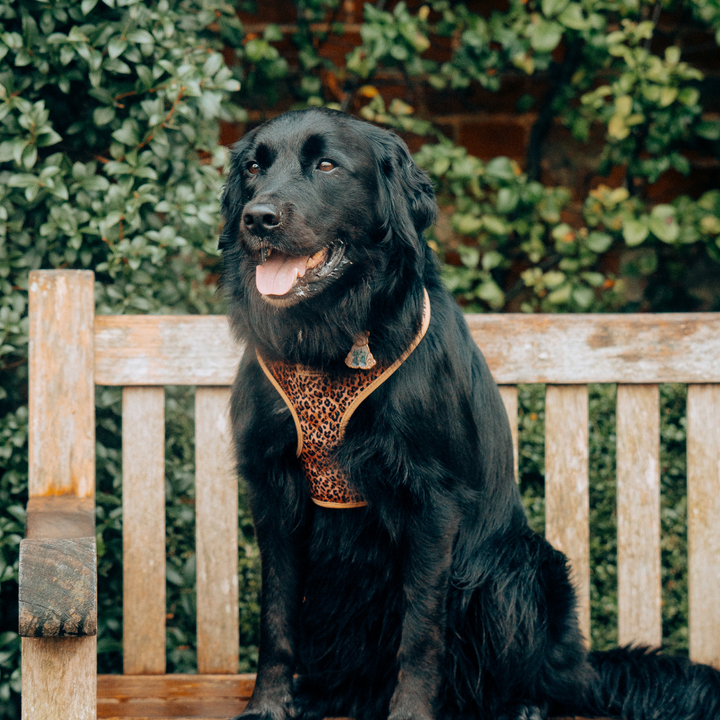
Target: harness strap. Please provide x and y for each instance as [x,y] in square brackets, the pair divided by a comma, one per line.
[321,408]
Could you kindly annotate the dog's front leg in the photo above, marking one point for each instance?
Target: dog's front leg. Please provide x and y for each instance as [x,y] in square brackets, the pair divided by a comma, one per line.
[427,559]
[281,580]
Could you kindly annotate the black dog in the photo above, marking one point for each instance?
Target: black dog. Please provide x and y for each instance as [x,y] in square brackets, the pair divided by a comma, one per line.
[413,588]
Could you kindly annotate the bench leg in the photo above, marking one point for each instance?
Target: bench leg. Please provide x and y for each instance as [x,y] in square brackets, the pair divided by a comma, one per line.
[59,678]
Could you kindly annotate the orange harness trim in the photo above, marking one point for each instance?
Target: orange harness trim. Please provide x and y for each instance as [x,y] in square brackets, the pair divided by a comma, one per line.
[321,407]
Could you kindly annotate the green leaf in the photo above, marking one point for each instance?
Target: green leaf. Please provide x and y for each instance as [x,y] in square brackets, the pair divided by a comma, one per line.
[709,129]
[87,6]
[583,296]
[507,200]
[598,242]
[546,35]
[635,232]
[491,293]
[663,223]
[272,33]
[561,295]
[128,133]
[116,47]
[142,37]
[572,17]
[491,259]
[551,8]
[467,224]
[500,168]
[103,115]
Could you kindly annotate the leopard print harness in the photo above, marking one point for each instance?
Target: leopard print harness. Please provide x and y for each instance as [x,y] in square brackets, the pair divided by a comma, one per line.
[321,407]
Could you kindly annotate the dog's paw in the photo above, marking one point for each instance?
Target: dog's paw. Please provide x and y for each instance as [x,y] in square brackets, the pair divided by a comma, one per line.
[268,711]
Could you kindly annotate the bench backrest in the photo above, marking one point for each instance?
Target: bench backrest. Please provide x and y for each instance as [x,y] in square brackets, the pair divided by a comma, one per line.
[72,351]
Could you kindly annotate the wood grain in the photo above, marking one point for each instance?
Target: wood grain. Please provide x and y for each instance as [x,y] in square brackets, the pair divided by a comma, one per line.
[164,350]
[567,504]
[580,349]
[61,389]
[143,438]
[58,587]
[59,678]
[173,696]
[703,459]
[559,349]
[638,512]
[216,504]
[509,396]
[62,517]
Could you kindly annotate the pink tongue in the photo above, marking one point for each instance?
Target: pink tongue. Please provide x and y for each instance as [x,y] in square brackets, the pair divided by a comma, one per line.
[277,274]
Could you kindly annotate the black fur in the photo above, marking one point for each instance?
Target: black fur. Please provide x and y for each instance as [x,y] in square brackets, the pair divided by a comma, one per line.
[436,600]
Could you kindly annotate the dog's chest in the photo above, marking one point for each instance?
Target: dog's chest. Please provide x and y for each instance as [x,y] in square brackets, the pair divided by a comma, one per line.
[321,406]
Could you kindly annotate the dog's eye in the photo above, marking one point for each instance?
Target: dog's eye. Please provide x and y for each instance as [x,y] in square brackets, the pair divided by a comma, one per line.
[326,165]
[253,168]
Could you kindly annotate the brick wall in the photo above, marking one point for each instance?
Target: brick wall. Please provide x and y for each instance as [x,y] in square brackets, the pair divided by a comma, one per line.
[488,123]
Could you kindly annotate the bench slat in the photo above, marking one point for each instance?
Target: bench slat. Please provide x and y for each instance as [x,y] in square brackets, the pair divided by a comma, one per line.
[566,486]
[638,513]
[143,439]
[199,697]
[216,492]
[509,395]
[164,350]
[703,460]
[559,349]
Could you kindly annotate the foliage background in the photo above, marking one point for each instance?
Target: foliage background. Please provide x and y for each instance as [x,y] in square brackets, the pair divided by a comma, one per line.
[110,114]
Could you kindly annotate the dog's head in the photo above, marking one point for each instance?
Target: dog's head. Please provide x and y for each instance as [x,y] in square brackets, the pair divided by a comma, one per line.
[315,196]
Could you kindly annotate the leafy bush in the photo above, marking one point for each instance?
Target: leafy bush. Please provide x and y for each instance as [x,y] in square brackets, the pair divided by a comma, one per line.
[109,120]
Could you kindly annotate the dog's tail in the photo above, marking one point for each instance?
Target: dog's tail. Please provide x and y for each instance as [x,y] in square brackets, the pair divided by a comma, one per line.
[638,683]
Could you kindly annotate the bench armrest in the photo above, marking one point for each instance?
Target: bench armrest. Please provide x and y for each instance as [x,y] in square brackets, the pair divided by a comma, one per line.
[58,569]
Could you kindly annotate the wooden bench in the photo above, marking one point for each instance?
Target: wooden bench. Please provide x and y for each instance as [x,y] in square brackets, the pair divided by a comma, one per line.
[72,351]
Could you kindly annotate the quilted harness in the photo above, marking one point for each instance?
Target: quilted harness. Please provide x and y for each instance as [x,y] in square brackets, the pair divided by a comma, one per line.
[321,407]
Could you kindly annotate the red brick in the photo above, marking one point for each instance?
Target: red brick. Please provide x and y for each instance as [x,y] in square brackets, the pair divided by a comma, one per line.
[490,138]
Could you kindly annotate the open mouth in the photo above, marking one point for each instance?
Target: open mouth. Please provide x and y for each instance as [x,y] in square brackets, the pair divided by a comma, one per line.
[279,275]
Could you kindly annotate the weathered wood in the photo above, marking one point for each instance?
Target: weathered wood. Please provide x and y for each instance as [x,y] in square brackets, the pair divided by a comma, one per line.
[559,349]
[59,678]
[580,349]
[164,350]
[62,517]
[62,389]
[638,513]
[567,503]
[509,396]
[703,468]
[143,438]
[58,587]
[216,494]
[173,696]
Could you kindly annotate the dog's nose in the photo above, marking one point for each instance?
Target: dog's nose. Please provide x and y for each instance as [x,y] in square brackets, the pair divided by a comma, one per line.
[262,217]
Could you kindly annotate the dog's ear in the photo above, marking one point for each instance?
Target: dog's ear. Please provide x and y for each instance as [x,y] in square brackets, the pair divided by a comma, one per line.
[406,197]
[233,197]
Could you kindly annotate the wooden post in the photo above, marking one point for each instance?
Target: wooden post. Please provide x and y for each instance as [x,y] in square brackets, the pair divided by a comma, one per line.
[216,493]
[143,452]
[638,509]
[59,673]
[509,395]
[703,459]
[567,494]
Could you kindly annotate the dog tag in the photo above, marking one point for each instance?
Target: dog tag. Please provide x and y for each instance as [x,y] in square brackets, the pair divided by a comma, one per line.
[360,357]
